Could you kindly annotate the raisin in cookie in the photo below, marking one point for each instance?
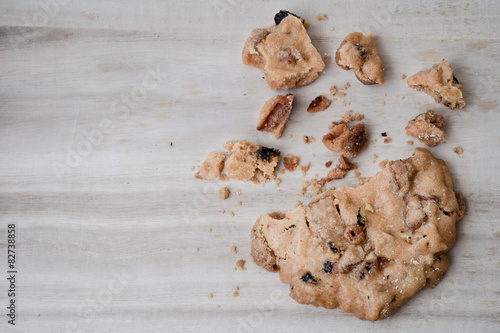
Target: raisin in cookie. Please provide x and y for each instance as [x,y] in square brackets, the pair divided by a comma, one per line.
[359,53]
[427,127]
[440,83]
[368,249]
[284,53]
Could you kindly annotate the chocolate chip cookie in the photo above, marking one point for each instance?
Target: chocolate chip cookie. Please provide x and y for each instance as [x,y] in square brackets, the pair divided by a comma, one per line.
[368,249]
[284,53]
[440,83]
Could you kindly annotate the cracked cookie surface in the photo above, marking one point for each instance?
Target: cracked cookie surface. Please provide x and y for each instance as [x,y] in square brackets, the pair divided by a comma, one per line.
[368,249]
[440,83]
[284,53]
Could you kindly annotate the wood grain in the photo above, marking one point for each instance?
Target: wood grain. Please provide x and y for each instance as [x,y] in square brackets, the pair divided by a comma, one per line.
[106,241]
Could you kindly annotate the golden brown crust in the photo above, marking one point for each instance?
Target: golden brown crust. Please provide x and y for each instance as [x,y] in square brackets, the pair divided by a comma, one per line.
[440,83]
[274,114]
[427,128]
[284,53]
[359,53]
[347,141]
[320,103]
[356,249]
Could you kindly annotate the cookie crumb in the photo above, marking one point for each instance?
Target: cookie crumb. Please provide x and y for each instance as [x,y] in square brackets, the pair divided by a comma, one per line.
[306,24]
[289,136]
[328,164]
[282,171]
[383,164]
[410,143]
[350,117]
[231,213]
[234,249]
[345,86]
[307,139]
[320,103]
[209,230]
[235,293]
[197,249]
[240,264]
[383,102]
[224,193]
[321,17]
[458,150]
[223,211]
[341,94]
[218,306]
[192,168]
[224,177]
[333,90]
[298,203]
[387,140]
[357,174]
[277,182]
[291,162]
[403,77]
[305,168]
[327,57]
[210,295]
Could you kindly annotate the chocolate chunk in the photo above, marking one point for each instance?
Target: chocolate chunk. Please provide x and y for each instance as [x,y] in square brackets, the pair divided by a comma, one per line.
[309,278]
[328,267]
[282,14]
[361,221]
[264,153]
[333,247]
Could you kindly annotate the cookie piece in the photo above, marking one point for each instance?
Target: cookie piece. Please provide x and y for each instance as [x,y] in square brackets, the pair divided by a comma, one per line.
[440,83]
[248,161]
[290,162]
[344,140]
[212,166]
[359,53]
[284,53]
[274,114]
[427,127]
[320,103]
[368,249]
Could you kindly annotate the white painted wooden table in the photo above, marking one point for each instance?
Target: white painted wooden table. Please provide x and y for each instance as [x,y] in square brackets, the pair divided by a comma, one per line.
[106,105]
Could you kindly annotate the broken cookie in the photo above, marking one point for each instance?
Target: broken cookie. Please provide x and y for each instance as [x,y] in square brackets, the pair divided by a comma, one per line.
[359,53]
[320,103]
[440,83]
[368,249]
[248,161]
[290,162]
[344,140]
[427,127]
[212,166]
[284,53]
[274,114]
